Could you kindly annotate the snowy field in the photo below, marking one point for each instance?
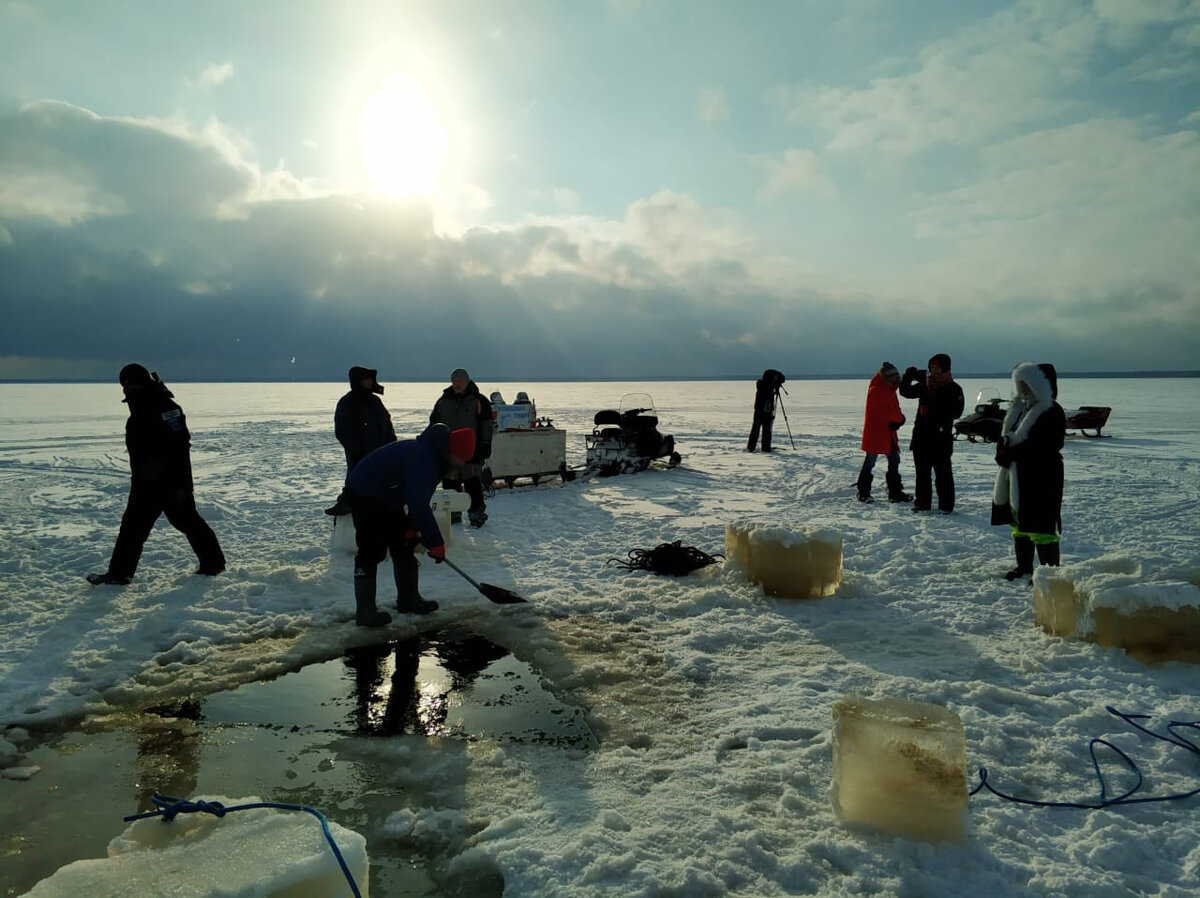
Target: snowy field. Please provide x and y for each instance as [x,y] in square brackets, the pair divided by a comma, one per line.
[711,701]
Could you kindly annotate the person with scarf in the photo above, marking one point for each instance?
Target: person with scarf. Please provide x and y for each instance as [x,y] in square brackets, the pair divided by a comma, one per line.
[1029,485]
[158,442]
[881,424]
[941,402]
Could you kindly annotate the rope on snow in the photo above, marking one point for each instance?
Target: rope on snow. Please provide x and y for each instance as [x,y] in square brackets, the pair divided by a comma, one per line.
[1125,797]
[169,808]
[668,558]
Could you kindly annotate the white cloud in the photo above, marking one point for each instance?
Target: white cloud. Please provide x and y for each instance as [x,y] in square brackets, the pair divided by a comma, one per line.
[794,171]
[711,105]
[216,74]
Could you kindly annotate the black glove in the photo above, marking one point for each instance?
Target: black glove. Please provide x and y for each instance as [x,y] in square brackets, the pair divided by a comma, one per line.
[896,425]
[1003,455]
[482,452]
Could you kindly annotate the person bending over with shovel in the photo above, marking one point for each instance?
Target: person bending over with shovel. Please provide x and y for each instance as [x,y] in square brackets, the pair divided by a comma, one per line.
[389,493]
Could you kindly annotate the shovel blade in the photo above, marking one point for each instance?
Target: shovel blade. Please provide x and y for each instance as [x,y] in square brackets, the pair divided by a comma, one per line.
[499,595]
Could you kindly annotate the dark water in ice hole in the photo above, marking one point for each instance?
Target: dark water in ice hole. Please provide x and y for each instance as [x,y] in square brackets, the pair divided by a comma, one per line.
[303,738]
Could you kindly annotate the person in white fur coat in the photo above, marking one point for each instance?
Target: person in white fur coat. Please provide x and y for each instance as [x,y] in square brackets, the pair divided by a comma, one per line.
[1029,485]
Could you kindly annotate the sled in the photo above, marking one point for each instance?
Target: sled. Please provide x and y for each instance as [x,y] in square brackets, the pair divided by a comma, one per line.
[984,423]
[524,445]
[627,439]
[1088,418]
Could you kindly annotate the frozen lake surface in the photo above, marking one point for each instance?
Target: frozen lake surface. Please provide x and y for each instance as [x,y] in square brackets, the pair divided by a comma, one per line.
[709,703]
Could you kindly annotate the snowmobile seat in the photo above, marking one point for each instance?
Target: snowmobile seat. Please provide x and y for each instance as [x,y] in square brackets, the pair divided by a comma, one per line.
[608,416]
[635,421]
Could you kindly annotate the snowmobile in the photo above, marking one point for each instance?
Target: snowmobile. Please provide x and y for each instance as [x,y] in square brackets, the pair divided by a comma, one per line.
[983,423]
[627,438]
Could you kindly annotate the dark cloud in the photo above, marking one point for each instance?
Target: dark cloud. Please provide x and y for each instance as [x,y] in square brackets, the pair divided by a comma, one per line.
[144,241]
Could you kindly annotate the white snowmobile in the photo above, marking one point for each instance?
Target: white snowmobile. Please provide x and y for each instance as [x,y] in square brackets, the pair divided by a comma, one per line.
[627,439]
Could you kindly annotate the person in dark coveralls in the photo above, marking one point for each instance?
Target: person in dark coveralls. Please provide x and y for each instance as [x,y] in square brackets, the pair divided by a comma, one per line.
[766,392]
[361,424]
[932,445]
[462,405]
[1029,485]
[389,493]
[160,464]
[882,421]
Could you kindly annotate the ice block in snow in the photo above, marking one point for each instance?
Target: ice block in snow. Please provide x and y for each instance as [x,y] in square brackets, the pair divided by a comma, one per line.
[900,766]
[799,564]
[1153,621]
[259,853]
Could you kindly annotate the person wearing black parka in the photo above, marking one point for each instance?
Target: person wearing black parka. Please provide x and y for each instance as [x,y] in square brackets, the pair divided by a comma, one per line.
[361,424]
[1029,485]
[766,392]
[932,445]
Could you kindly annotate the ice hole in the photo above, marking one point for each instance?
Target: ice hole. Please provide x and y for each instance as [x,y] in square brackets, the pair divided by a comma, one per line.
[1153,621]
[901,767]
[803,563]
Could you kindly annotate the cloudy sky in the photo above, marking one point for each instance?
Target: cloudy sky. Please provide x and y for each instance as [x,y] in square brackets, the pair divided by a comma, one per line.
[543,188]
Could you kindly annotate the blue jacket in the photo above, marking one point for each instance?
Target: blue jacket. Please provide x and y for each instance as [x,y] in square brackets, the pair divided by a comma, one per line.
[405,475]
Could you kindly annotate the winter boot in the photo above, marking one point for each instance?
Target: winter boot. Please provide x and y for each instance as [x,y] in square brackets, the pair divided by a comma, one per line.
[896,489]
[366,614]
[408,597]
[477,516]
[863,487]
[1023,546]
[107,579]
[1048,554]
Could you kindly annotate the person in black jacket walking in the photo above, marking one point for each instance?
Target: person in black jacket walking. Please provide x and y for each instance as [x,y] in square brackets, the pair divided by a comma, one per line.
[361,424]
[160,464]
[1029,485]
[463,405]
[941,402]
[766,392]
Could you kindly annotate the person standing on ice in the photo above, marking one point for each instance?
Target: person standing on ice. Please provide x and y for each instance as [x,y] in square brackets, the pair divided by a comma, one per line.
[881,425]
[389,493]
[462,405]
[766,392]
[361,424]
[1029,485]
[160,464]
[941,403]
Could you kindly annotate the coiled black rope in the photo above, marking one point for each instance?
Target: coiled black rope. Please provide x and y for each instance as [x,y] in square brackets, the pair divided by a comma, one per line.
[1125,797]
[674,559]
[169,808]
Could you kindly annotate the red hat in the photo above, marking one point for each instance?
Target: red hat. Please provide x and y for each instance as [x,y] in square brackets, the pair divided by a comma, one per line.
[462,443]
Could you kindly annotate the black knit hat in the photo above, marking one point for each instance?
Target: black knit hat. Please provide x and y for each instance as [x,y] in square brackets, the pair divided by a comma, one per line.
[941,360]
[134,374]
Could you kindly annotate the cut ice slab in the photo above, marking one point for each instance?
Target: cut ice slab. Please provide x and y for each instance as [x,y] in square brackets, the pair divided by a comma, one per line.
[1155,621]
[901,767]
[803,563]
[258,853]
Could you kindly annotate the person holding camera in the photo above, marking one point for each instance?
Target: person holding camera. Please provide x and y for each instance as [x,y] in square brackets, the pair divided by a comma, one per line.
[463,405]
[940,404]
[881,424]
[766,392]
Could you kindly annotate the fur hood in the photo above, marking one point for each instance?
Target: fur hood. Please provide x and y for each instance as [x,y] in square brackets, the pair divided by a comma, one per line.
[1023,411]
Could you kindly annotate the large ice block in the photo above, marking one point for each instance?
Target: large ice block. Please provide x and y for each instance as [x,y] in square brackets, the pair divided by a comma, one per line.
[1153,621]
[900,766]
[800,563]
[258,853]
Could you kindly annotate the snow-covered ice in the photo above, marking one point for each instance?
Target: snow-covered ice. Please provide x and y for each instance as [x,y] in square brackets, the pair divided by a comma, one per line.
[712,701]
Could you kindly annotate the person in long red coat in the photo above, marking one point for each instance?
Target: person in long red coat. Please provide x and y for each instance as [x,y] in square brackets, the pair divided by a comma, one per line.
[881,425]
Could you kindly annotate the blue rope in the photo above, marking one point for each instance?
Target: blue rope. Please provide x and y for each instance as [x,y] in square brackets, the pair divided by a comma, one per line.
[1126,797]
[169,808]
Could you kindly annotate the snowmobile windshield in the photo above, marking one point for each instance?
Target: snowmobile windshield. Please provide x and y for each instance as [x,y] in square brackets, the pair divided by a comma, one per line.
[637,403]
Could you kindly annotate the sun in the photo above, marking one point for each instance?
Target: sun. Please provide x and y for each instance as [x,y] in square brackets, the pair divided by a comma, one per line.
[403,144]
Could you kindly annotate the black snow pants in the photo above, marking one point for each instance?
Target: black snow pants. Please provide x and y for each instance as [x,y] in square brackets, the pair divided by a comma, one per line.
[764,423]
[148,500]
[932,463]
[380,529]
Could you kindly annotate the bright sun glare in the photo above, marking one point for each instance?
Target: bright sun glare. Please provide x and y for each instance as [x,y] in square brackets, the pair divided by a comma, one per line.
[402,142]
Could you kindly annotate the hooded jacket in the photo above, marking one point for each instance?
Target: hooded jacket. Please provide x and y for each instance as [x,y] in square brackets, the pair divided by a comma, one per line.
[883,410]
[403,476]
[157,438]
[766,390]
[1029,485]
[361,422]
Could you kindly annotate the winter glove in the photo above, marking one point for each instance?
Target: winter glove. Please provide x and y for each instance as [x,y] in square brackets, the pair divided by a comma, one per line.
[1003,454]
[912,369]
[896,425]
[482,452]
[438,553]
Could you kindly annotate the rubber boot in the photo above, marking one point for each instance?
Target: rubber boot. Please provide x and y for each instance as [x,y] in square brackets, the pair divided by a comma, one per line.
[863,487]
[1048,554]
[1023,546]
[895,488]
[366,614]
[408,596]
